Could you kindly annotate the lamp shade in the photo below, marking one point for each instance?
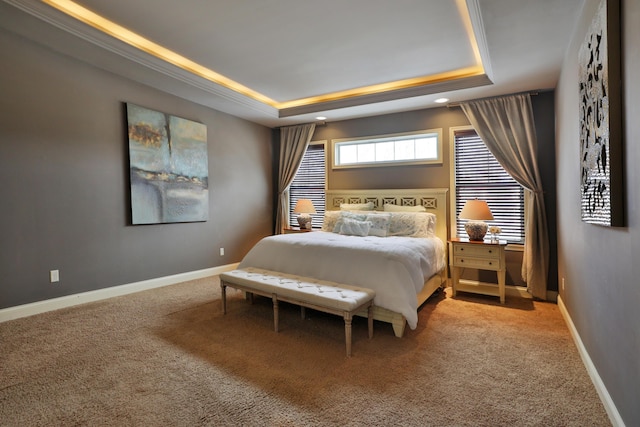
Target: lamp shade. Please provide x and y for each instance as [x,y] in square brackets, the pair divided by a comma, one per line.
[476,210]
[304,206]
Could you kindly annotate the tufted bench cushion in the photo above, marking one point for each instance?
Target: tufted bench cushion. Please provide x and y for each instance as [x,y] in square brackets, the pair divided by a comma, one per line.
[322,295]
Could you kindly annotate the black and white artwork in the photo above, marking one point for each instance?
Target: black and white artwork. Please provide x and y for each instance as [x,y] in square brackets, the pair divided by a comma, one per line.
[600,133]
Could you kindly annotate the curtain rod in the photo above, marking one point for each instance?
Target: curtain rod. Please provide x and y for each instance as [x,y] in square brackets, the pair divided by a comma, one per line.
[318,124]
[457,104]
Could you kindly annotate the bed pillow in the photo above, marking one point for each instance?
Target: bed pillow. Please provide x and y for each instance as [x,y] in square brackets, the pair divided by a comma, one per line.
[356,206]
[379,224]
[357,215]
[332,217]
[329,220]
[388,207]
[412,224]
[352,227]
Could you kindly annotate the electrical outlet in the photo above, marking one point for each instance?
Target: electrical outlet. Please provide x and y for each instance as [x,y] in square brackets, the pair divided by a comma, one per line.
[54,276]
[221,251]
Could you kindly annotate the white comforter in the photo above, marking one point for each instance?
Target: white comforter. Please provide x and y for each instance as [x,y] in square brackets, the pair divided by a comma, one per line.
[395,267]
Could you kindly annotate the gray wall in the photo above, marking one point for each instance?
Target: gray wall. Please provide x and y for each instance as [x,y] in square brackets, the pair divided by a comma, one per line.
[600,264]
[419,176]
[64,173]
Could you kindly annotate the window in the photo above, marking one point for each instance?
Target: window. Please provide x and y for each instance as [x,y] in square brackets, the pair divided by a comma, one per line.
[406,148]
[309,183]
[479,175]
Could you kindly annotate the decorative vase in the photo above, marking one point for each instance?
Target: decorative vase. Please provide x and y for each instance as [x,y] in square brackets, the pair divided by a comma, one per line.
[476,230]
[495,234]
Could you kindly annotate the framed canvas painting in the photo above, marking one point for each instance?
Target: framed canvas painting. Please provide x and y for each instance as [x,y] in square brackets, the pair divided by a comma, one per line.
[168,167]
[601,180]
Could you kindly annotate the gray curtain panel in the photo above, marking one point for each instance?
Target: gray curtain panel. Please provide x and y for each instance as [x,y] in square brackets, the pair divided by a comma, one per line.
[294,141]
[506,126]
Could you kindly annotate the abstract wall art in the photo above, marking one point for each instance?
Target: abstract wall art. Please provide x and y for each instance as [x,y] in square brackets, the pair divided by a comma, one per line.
[168,167]
[601,180]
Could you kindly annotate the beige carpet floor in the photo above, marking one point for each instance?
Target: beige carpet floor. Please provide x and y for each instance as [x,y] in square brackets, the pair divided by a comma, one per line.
[168,357]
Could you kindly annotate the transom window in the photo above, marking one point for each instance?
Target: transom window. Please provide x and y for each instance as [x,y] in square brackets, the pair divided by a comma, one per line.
[389,150]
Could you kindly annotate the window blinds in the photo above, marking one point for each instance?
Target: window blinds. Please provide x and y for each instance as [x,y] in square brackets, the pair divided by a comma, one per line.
[309,183]
[479,175]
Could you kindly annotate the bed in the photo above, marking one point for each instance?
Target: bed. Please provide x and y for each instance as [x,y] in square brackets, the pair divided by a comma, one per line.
[405,263]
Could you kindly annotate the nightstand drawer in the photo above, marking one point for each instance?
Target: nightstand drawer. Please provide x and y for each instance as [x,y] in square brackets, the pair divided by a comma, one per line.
[484,251]
[481,263]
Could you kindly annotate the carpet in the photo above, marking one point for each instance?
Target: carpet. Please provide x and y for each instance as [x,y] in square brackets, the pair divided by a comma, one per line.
[168,357]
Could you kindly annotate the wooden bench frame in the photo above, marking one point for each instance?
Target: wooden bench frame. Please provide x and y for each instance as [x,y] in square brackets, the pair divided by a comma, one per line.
[346,314]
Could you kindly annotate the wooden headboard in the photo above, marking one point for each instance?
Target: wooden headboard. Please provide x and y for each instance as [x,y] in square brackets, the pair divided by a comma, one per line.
[433,199]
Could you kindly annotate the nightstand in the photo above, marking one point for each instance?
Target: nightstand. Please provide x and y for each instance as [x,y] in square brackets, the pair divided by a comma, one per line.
[482,256]
[292,230]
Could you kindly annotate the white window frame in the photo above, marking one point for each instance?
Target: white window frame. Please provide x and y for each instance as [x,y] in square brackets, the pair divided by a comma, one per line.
[452,185]
[337,143]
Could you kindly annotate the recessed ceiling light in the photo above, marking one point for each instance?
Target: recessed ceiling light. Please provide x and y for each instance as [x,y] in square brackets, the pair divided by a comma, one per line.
[441,100]
[321,118]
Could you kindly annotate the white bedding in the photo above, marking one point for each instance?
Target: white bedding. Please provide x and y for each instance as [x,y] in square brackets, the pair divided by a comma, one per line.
[395,267]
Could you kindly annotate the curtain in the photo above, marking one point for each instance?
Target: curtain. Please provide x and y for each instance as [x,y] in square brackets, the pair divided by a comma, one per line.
[293,144]
[506,126]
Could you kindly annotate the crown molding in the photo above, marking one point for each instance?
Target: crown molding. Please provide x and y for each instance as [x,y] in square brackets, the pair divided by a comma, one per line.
[130,62]
[428,89]
[473,6]
[125,51]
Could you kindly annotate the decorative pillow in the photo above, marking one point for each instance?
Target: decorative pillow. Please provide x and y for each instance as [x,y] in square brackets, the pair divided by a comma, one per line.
[388,207]
[379,224]
[357,215]
[330,219]
[356,206]
[412,224]
[352,227]
[431,224]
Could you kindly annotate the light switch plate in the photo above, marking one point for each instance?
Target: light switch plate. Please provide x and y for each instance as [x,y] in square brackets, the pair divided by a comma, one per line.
[54,276]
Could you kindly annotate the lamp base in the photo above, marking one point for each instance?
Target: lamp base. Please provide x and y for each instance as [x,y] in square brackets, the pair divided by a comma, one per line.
[476,230]
[304,220]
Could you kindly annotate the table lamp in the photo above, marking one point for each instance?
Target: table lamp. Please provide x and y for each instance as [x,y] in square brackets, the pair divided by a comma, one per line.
[476,212]
[304,207]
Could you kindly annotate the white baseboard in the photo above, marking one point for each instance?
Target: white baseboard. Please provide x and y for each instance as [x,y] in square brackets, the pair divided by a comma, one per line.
[38,307]
[605,397]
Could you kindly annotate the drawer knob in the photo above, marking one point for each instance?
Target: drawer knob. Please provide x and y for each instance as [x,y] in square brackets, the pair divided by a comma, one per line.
[490,251]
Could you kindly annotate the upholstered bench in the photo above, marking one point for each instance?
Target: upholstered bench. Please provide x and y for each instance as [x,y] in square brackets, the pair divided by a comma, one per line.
[321,295]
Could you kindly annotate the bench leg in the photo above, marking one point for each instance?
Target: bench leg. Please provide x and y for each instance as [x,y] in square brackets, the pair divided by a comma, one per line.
[347,332]
[303,312]
[223,288]
[370,320]
[275,312]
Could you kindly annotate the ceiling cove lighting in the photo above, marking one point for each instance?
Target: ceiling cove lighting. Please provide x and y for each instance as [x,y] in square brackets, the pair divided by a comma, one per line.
[133,39]
[119,32]
[386,87]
